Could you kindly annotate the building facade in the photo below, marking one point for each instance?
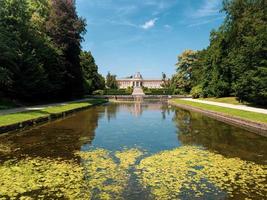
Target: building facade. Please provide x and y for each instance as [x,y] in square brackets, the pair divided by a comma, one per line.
[138,81]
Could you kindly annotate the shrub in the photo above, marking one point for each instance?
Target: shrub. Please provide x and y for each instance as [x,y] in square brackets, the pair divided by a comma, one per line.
[158,91]
[98,92]
[197,92]
[252,87]
[117,92]
[129,90]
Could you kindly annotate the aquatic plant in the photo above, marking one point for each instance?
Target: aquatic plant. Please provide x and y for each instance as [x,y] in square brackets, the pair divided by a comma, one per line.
[104,177]
[128,157]
[185,172]
[39,177]
[191,171]
[97,175]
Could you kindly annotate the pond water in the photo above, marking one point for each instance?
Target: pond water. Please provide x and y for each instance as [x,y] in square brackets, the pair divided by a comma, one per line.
[146,150]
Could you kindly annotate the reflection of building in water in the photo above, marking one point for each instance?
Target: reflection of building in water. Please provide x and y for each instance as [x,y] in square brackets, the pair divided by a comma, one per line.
[137,108]
[138,81]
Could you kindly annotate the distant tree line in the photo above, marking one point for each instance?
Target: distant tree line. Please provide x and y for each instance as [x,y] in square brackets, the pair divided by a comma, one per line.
[111,81]
[40,51]
[235,62]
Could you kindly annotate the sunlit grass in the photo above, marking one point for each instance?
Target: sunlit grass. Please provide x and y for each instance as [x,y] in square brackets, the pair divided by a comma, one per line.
[231,100]
[247,115]
[30,115]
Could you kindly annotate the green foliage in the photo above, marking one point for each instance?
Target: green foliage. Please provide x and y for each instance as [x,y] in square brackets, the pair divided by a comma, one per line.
[6,104]
[65,29]
[117,92]
[196,91]
[111,81]
[158,91]
[40,51]
[19,53]
[99,92]
[182,80]
[235,62]
[93,80]
[5,78]
[252,86]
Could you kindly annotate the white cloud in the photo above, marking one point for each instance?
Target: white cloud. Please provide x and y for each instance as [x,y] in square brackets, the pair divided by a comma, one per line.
[209,8]
[204,22]
[149,24]
[207,13]
[122,22]
[167,26]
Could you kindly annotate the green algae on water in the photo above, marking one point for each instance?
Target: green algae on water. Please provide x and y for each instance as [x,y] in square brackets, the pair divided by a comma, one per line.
[191,170]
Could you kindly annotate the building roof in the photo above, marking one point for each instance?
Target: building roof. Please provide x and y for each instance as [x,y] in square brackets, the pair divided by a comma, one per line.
[138,76]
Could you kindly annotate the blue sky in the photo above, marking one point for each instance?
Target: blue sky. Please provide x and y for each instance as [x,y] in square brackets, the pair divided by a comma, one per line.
[126,36]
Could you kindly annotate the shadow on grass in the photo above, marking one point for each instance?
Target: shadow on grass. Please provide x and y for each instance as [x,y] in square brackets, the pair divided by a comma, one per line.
[26,115]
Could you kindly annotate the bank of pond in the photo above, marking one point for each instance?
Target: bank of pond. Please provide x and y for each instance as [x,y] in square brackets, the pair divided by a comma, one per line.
[133,150]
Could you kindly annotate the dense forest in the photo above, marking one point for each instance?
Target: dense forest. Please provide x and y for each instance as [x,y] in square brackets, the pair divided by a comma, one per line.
[41,56]
[235,62]
[40,51]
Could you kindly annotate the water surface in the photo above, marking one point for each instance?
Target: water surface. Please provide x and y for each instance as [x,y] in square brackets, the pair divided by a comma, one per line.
[146,150]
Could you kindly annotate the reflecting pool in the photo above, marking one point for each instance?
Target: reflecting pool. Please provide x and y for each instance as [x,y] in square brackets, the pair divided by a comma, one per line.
[146,150]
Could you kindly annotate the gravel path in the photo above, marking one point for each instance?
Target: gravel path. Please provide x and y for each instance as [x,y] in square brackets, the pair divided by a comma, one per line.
[38,107]
[227,105]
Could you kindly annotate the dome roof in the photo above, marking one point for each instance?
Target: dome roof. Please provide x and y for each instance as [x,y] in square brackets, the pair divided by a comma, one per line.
[138,76]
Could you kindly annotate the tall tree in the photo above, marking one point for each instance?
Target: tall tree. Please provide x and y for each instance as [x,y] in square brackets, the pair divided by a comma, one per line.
[20,43]
[247,21]
[182,79]
[66,29]
[93,80]
[235,62]
[111,81]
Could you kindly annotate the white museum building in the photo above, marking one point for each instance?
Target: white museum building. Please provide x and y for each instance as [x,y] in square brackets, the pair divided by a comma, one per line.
[138,81]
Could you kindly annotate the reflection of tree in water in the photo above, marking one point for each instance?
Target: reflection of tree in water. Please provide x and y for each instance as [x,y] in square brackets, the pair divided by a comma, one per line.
[165,110]
[110,111]
[196,129]
[182,119]
[57,139]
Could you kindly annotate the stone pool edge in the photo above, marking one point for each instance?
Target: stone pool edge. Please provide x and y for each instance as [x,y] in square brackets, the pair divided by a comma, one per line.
[25,125]
[256,127]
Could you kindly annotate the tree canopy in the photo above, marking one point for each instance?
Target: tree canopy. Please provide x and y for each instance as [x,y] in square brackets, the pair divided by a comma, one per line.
[235,62]
[93,80]
[111,81]
[40,48]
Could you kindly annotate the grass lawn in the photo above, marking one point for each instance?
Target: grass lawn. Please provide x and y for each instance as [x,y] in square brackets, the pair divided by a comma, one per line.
[29,115]
[231,100]
[252,116]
